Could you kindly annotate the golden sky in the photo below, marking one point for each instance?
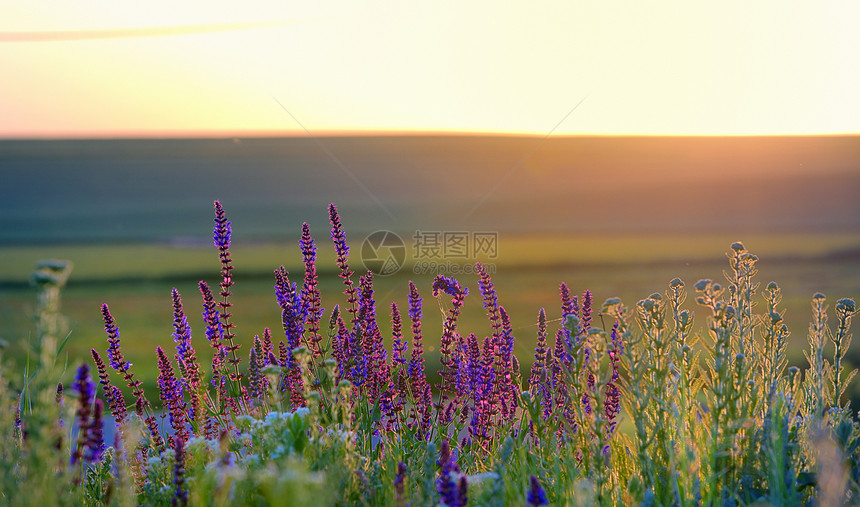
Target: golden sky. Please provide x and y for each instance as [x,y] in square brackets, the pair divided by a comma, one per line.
[163,67]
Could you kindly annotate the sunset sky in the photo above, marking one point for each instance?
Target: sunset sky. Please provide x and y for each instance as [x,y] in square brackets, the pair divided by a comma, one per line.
[107,68]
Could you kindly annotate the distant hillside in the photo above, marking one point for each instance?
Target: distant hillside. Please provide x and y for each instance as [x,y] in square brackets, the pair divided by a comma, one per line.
[143,190]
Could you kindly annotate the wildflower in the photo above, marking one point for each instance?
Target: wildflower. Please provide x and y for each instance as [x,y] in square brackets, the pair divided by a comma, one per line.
[451,287]
[310,291]
[445,485]
[586,311]
[118,362]
[536,495]
[85,387]
[186,357]
[417,374]
[214,330]
[95,444]
[538,370]
[268,345]
[612,399]
[256,361]
[180,496]
[342,249]
[171,395]
[292,315]
[491,302]
[398,349]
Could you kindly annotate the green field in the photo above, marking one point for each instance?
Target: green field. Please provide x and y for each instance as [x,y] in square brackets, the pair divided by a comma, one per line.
[135,280]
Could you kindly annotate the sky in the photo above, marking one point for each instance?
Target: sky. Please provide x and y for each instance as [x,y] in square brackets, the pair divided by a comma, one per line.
[91,68]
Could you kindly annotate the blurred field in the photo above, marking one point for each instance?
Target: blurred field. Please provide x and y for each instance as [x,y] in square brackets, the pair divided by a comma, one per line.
[620,216]
[135,280]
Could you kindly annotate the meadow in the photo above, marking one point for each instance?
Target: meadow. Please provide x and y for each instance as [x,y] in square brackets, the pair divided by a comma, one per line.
[137,278]
[661,403]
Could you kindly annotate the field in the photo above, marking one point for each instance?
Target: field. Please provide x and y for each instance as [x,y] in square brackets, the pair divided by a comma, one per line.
[136,279]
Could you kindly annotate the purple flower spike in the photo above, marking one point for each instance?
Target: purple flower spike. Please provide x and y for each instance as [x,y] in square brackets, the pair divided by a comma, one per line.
[117,361]
[171,395]
[181,330]
[85,387]
[223,229]
[538,371]
[451,287]
[446,486]
[587,300]
[339,238]
[95,445]
[536,495]
[119,364]
[417,375]
[398,349]
[310,291]
[222,234]
[114,397]
[180,496]
[290,301]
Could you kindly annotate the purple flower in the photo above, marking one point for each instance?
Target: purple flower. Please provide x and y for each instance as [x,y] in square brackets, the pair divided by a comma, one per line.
[586,311]
[214,332]
[538,371]
[446,485]
[398,348]
[510,390]
[256,361]
[417,375]
[116,403]
[85,387]
[536,495]
[222,234]
[95,445]
[567,305]
[114,397]
[290,301]
[171,395]
[612,399]
[339,238]
[181,330]
[310,291]
[222,230]
[268,345]
[451,287]
[186,357]
[118,362]
[491,302]
[180,496]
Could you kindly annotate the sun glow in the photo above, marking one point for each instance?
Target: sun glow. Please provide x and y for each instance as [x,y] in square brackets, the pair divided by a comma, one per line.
[674,68]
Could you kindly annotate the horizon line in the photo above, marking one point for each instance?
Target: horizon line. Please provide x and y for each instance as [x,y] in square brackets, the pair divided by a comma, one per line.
[296,134]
